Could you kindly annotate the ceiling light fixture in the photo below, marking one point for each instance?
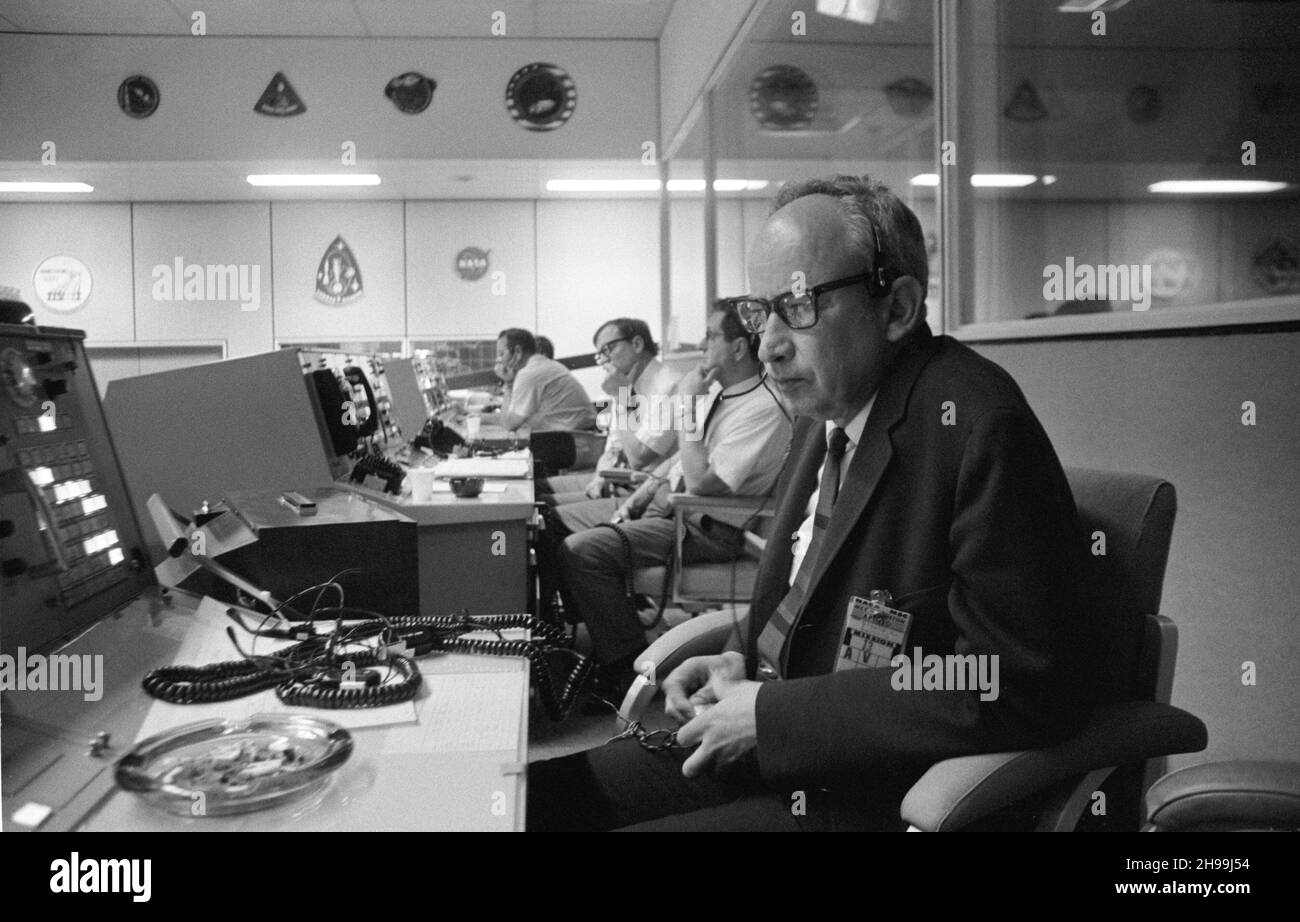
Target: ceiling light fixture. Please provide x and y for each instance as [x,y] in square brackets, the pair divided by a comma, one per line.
[652,185]
[313,179]
[25,186]
[861,11]
[1090,6]
[983,180]
[1212,186]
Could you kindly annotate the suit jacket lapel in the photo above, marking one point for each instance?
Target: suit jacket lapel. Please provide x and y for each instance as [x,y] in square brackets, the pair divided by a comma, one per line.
[873,454]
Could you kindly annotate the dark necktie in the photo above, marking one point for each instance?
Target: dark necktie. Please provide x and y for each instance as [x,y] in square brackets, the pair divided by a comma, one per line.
[708,417]
[773,648]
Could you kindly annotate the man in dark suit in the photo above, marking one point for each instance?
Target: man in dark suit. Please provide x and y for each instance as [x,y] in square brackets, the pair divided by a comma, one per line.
[917,468]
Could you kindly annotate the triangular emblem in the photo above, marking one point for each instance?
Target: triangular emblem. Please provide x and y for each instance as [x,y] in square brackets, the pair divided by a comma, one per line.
[1026,105]
[280,98]
[338,280]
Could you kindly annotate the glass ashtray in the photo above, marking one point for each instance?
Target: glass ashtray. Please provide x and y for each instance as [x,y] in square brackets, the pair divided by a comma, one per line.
[222,767]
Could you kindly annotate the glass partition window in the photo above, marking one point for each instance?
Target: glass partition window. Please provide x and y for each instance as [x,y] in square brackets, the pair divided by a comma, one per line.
[811,90]
[1144,160]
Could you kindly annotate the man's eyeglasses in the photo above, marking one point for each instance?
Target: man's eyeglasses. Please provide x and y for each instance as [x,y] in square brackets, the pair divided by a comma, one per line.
[602,354]
[798,312]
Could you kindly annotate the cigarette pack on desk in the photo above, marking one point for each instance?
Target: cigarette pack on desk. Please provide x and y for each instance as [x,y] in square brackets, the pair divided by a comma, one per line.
[487,468]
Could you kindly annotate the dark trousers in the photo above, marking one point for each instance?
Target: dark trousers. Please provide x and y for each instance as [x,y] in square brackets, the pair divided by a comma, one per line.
[593,565]
[623,786]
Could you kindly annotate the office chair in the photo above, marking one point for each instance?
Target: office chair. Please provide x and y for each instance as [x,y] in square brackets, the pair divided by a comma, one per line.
[1226,797]
[558,451]
[1052,788]
[698,586]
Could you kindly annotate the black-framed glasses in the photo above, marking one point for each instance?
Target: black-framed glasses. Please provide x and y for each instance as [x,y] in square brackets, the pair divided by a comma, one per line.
[798,312]
[602,354]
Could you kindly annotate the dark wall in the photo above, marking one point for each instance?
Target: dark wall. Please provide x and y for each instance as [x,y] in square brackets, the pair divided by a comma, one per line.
[1172,406]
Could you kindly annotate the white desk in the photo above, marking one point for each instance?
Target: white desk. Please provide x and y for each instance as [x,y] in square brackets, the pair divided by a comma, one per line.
[411,776]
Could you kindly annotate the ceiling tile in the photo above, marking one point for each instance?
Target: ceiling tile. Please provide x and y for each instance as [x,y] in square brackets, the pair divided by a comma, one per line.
[148,17]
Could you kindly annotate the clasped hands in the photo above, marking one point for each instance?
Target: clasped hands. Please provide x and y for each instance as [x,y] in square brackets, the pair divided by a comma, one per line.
[715,703]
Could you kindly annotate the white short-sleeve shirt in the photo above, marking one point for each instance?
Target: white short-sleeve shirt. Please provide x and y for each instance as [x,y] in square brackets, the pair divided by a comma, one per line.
[550,397]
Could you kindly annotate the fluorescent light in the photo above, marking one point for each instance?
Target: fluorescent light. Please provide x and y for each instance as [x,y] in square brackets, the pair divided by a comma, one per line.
[985,180]
[1204,186]
[737,185]
[863,11]
[719,185]
[652,185]
[1003,180]
[313,179]
[1089,6]
[1049,179]
[46,187]
[602,185]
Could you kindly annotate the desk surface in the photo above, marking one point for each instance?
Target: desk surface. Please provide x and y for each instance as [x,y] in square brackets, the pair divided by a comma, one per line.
[459,765]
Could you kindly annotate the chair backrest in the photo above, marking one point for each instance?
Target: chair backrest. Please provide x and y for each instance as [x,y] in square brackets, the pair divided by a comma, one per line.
[553,451]
[1135,514]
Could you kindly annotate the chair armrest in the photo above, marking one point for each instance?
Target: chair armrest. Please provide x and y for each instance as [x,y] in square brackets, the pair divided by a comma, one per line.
[956,792]
[703,635]
[690,502]
[1227,795]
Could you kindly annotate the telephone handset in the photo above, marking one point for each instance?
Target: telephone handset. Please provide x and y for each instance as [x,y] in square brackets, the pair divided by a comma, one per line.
[332,394]
[438,437]
[355,376]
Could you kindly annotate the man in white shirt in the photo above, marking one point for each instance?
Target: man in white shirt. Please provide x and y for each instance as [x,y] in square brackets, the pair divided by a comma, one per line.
[735,448]
[543,394]
[638,382]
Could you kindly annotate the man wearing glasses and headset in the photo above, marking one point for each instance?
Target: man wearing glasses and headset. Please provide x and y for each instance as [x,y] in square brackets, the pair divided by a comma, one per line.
[626,349]
[917,469]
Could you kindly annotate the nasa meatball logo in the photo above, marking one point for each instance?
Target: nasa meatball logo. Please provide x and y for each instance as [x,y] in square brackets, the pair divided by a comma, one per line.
[472,264]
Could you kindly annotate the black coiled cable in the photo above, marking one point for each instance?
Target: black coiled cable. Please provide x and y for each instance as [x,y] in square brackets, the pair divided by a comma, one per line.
[306,674]
[314,694]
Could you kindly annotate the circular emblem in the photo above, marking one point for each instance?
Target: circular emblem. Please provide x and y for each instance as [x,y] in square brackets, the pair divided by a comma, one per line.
[62,283]
[472,264]
[1173,273]
[138,96]
[411,92]
[541,97]
[909,97]
[783,98]
[1276,266]
[1144,104]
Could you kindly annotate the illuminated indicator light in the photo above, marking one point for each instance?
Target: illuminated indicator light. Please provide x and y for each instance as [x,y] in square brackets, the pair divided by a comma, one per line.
[46,423]
[41,476]
[116,556]
[93,504]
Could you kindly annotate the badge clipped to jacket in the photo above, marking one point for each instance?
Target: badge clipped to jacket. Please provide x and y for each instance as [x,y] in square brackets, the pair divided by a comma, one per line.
[874,633]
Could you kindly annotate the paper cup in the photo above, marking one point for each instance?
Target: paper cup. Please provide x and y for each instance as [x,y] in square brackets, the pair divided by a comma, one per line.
[421,480]
[473,425]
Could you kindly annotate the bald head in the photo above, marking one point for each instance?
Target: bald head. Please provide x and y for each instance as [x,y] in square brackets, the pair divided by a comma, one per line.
[829,370]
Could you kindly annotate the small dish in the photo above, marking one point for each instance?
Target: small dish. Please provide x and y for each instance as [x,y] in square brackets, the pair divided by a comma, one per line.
[223,767]
[467,487]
